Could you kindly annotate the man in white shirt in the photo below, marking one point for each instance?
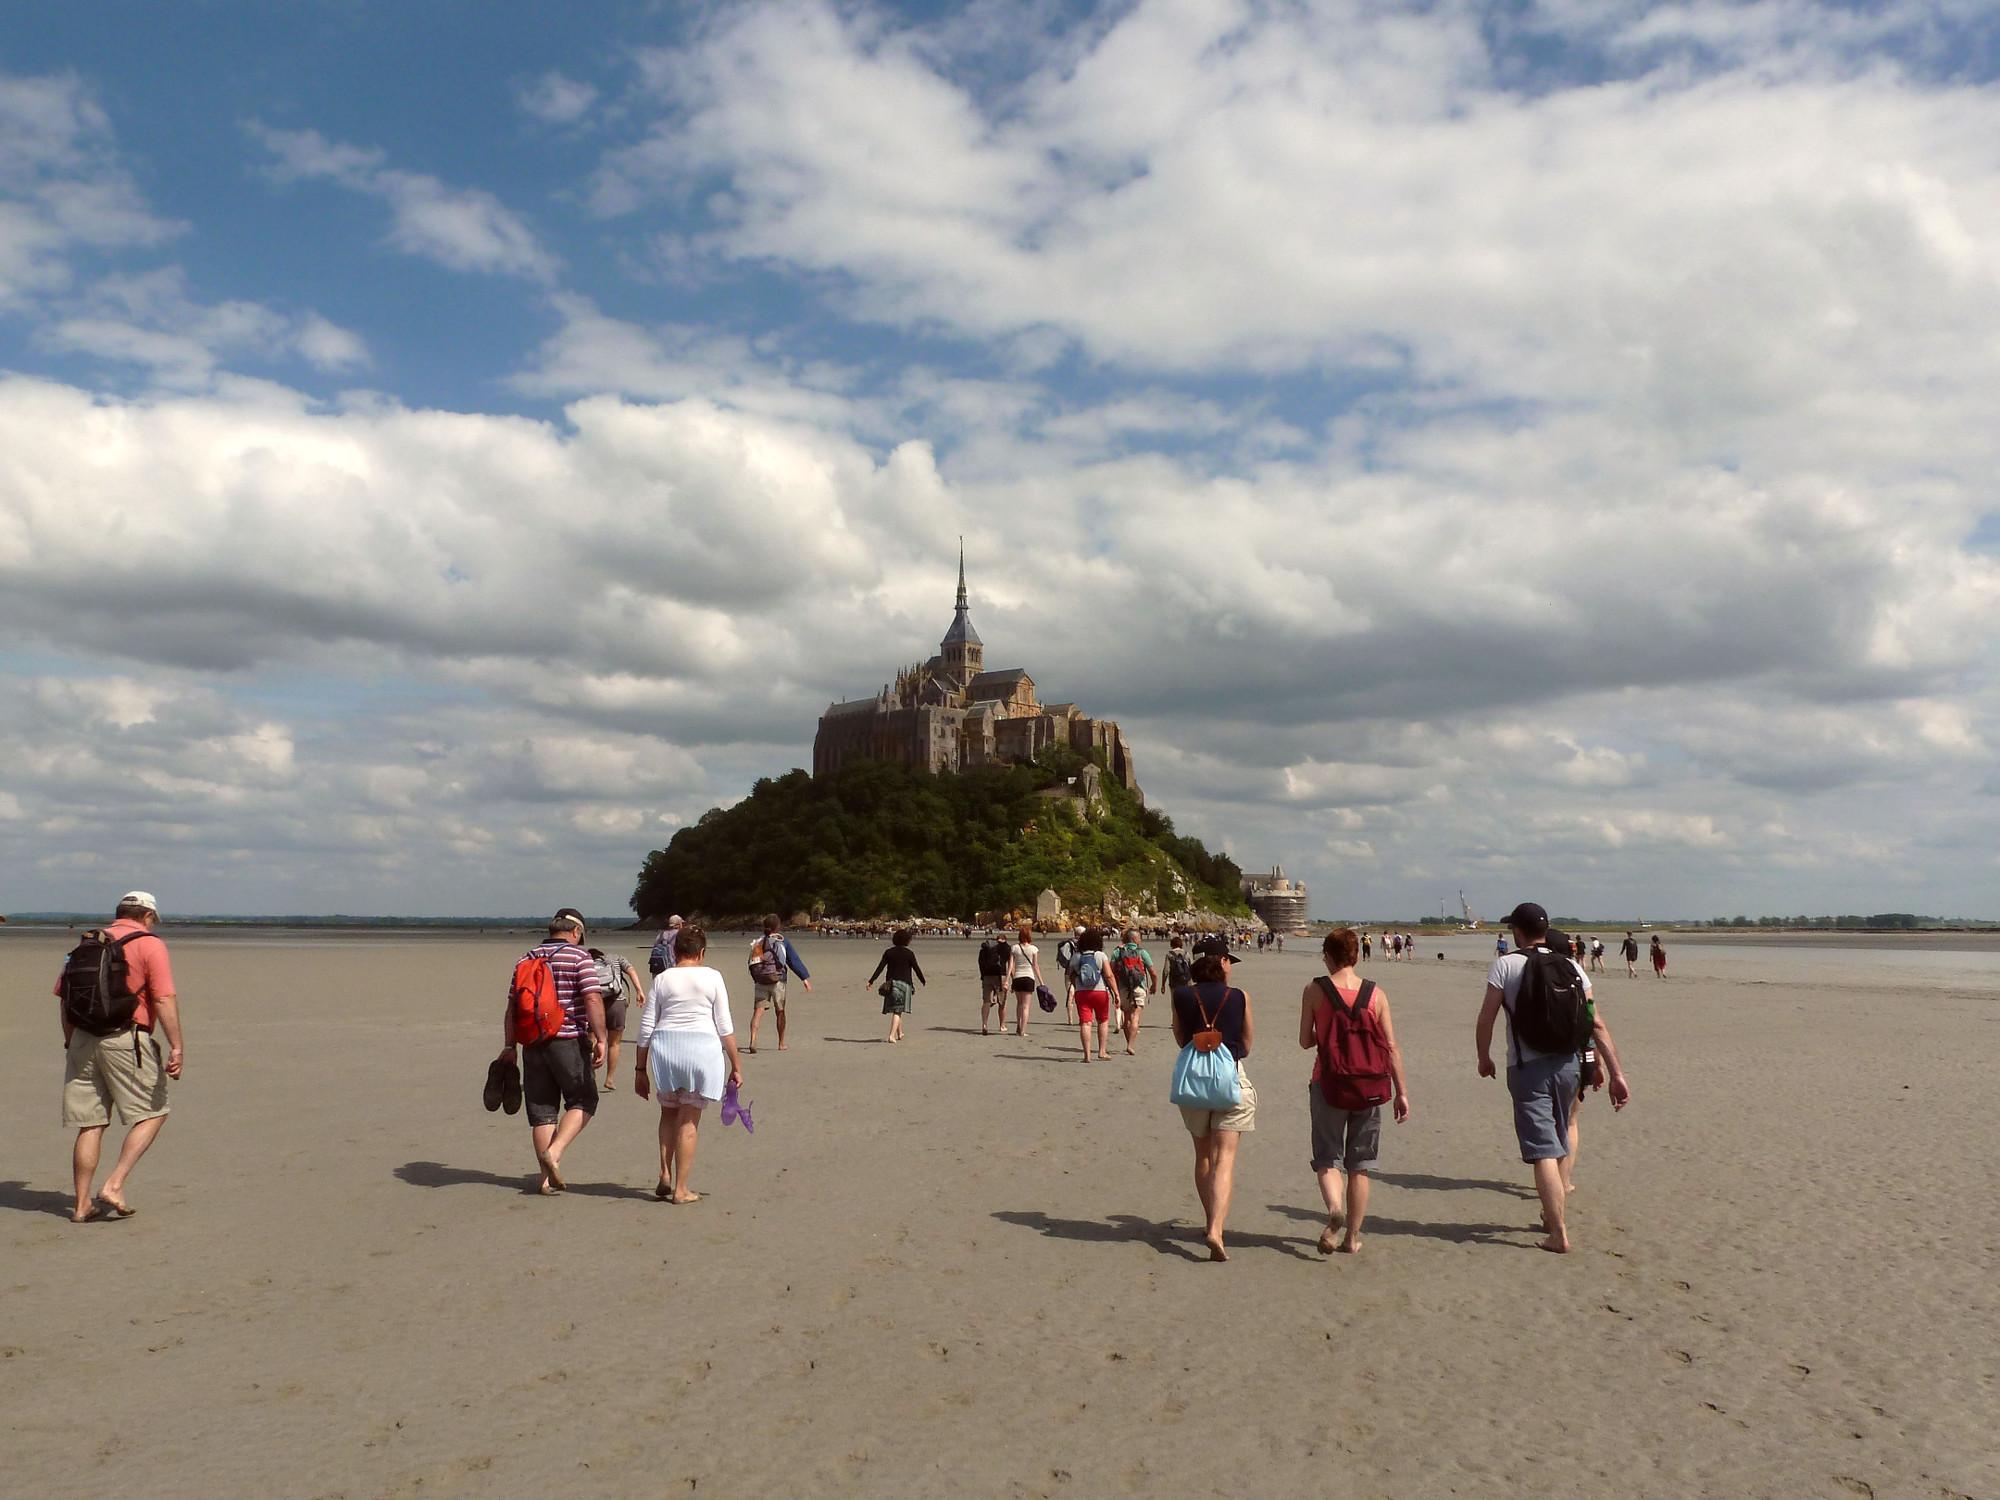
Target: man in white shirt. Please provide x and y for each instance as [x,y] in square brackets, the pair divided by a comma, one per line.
[1543,1085]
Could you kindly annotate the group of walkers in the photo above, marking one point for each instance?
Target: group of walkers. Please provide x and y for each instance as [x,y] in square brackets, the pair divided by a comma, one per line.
[1397,947]
[1558,1047]
[567,1010]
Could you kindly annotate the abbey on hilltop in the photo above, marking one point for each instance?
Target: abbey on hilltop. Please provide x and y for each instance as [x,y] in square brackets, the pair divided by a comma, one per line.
[950,713]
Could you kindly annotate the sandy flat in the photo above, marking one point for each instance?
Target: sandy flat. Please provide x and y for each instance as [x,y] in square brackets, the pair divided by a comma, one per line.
[967,1264]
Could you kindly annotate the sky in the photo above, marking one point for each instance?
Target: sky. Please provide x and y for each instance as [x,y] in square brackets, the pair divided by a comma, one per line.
[1540,449]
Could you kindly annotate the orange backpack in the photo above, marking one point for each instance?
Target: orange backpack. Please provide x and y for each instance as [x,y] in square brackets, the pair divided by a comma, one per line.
[534,1014]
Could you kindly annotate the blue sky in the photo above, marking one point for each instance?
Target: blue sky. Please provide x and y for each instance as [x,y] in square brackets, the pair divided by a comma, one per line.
[511,430]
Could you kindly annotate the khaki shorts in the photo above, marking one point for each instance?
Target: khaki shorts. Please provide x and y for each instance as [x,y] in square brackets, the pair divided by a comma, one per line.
[768,994]
[102,1071]
[1243,1117]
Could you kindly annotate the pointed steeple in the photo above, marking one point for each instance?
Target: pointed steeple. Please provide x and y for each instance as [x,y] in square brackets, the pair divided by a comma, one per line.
[961,632]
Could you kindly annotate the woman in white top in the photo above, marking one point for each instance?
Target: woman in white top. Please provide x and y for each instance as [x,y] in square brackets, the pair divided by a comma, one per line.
[685,1035]
[1024,968]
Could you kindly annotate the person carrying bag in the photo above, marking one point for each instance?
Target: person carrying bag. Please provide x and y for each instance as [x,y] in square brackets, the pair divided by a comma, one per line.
[1215,1097]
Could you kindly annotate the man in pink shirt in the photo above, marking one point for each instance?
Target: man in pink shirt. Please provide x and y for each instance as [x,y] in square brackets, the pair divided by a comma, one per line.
[124,1066]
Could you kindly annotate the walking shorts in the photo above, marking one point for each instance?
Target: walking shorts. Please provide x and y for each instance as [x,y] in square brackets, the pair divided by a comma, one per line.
[556,1075]
[124,1070]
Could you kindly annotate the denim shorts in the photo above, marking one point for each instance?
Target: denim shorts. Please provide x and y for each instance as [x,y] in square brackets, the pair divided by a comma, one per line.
[1544,1093]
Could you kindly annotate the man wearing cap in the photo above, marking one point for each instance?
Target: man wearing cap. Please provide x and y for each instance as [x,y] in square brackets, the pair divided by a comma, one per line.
[1543,1085]
[125,1069]
[559,1076]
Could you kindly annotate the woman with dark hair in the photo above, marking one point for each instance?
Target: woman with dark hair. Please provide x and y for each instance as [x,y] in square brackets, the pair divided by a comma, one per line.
[685,1035]
[898,992]
[1211,1003]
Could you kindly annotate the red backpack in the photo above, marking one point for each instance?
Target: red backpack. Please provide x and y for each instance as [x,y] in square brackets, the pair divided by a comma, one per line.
[534,1013]
[1353,1056]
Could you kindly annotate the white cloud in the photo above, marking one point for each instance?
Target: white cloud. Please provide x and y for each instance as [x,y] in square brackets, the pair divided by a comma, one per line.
[464,229]
[555,99]
[63,187]
[149,319]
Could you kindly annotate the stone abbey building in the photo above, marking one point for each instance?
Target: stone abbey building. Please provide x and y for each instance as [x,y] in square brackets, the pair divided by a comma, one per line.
[951,712]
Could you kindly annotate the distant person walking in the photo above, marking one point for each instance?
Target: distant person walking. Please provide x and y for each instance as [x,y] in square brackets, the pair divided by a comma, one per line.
[688,1043]
[899,989]
[115,988]
[772,956]
[616,980]
[1066,952]
[1357,1068]
[1659,958]
[1500,946]
[1180,966]
[1212,1003]
[1132,968]
[662,957]
[1024,974]
[993,983]
[559,1071]
[1089,980]
[1367,949]
[1630,949]
[1597,955]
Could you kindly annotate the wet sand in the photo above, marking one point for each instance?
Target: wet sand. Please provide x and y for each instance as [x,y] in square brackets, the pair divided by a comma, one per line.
[971,1264]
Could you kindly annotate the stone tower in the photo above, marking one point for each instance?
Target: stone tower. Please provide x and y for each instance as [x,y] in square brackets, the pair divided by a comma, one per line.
[962,652]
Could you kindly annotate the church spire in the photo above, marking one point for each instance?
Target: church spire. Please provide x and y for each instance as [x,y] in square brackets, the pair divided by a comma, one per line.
[961,646]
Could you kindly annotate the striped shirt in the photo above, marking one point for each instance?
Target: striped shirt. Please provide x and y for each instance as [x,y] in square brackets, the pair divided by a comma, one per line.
[575,976]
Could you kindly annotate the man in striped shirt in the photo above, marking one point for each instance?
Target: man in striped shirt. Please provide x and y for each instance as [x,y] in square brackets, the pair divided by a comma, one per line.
[559,1076]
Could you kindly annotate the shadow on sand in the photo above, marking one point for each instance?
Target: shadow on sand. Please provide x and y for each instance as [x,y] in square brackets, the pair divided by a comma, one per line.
[435,1174]
[1452,1184]
[1172,1238]
[1456,1234]
[859,1041]
[23,1199]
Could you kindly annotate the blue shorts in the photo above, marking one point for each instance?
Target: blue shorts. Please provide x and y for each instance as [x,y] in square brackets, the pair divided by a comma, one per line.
[1544,1093]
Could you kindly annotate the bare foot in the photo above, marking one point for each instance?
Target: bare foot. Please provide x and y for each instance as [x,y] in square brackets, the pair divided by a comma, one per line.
[687,1198]
[1328,1234]
[784,1046]
[751,1048]
[84,1214]
[547,1189]
[1350,1244]
[552,1178]
[1130,1053]
[1215,1250]
[1559,1245]
[663,1190]
[117,1204]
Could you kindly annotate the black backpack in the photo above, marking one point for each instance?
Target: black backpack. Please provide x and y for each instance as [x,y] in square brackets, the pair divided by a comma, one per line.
[992,958]
[1179,971]
[96,984]
[1550,1011]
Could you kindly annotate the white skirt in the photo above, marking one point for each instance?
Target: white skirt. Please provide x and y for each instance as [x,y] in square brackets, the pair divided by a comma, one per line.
[687,1062]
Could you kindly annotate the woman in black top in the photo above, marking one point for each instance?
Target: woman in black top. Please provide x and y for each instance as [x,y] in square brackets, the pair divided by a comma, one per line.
[1212,999]
[898,993]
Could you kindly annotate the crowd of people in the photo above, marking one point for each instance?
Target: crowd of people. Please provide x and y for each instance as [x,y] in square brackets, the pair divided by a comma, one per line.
[567,1010]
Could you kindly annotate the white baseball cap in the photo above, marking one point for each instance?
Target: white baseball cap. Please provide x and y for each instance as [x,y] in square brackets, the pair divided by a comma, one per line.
[140,898]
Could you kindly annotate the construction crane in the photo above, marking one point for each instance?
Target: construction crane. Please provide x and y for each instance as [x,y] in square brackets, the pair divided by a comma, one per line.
[1471,922]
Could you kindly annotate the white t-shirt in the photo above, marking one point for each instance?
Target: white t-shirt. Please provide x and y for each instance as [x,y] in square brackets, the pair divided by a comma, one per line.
[1505,975]
[1025,955]
[691,999]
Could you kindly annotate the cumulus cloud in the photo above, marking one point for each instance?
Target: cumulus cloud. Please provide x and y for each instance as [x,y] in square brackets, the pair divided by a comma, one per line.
[555,99]
[463,229]
[63,186]
[149,319]
[1543,451]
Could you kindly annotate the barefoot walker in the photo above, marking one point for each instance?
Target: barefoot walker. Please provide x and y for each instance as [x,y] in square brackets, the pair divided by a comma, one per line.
[687,1053]
[1217,1102]
[116,986]
[555,1015]
[1357,1068]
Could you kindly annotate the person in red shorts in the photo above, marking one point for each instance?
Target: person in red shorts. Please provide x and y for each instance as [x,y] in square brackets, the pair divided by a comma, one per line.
[1090,987]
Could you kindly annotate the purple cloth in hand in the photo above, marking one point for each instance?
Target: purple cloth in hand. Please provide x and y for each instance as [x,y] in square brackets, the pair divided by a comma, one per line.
[733,1112]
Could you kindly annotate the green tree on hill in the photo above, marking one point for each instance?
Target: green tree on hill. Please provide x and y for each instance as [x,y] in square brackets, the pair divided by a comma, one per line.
[881,840]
